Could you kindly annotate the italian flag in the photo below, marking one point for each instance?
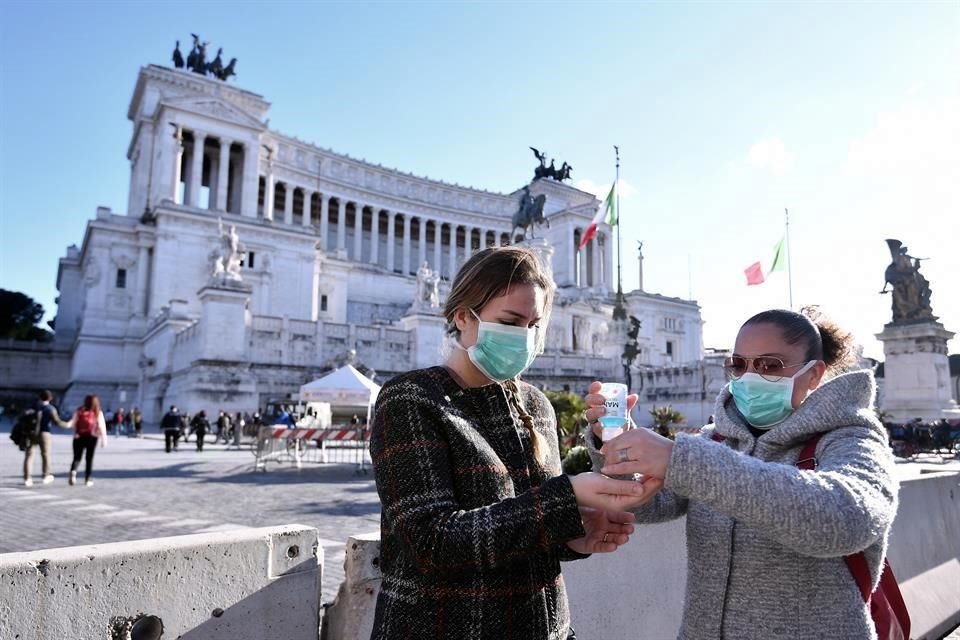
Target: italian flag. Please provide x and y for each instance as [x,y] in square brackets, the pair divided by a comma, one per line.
[754,272]
[606,214]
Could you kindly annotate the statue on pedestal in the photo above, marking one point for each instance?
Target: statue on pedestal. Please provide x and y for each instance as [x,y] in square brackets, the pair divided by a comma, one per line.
[911,291]
[226,260]
[631,349]
[529,213]
[428,283]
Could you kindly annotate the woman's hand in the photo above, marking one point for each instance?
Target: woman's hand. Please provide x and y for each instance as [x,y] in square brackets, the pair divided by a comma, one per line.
[597,491]
[606,531]
[595,407]
[637,451]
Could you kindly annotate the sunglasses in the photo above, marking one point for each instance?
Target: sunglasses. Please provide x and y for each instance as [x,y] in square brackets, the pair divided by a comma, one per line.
[768,367]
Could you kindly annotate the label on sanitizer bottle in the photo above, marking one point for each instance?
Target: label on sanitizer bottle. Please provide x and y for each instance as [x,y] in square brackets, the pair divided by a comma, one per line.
[614,421]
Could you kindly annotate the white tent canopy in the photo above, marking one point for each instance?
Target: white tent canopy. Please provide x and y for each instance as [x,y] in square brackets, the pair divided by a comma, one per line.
[344,387]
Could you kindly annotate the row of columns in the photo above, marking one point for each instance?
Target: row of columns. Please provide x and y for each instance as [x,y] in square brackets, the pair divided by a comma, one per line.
[592,265]
[406,241]
[589,267]
[220,185]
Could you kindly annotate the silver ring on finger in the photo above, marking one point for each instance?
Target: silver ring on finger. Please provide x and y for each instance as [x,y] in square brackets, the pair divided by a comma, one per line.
[622,455]
[605,536]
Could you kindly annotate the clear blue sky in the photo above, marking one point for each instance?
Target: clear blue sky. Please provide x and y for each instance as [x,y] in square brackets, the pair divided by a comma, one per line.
[725,113]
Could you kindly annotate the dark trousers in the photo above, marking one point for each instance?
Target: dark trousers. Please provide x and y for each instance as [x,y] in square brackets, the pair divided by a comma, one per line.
[200,436]
[171,437]
[84,444]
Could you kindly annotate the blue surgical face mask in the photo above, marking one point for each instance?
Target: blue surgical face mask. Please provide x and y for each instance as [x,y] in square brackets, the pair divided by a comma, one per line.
[764,403]
[502,352]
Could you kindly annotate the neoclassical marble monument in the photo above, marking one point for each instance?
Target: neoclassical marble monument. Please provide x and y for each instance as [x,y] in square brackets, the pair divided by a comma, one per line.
[329,248]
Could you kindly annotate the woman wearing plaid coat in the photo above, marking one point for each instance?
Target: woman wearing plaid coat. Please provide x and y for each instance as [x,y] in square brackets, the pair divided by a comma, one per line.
[476,513]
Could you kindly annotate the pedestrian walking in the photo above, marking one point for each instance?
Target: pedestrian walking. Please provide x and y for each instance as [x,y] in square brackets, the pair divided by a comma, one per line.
[119,422]
[171,424]
[36,425]
[89,428]
[137,418]
[223,427]
[200,425]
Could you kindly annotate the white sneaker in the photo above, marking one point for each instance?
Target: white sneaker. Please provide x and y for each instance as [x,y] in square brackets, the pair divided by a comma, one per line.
[89,483]
[73,478]
[28,482]
[47,479]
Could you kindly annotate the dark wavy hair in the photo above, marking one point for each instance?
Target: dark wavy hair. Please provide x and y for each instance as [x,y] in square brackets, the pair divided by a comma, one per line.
[822,338]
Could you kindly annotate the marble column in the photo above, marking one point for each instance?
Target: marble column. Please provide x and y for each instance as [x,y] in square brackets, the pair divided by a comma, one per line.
[251,180]
[374,235]
[223,169]
[405,267]
[324,221]
[357,232]
[287,203]
[140,307]
[307,197]
[391,240]
[422,248]
[437,236]
[178,166]
[595,278]
[571,250]
[196,170]
[268,197]
[341,225]
[608,269]
[585,265]
[453,250]
[467,243]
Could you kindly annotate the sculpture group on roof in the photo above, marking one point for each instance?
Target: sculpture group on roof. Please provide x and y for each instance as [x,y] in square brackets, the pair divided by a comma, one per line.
[197,60]
[543,171]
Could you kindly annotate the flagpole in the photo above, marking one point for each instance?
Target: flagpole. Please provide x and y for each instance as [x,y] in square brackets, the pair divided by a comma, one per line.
[619,306]
[616,186]
[786,215]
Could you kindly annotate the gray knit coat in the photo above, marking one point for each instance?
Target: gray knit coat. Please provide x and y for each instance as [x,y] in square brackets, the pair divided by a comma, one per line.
[766,540]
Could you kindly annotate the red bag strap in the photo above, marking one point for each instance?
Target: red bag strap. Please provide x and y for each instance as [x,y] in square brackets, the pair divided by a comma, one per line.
[808,455]
[857,562]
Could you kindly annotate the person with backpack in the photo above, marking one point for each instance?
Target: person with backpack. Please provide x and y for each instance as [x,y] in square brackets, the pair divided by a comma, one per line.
[200,425]
[35,427]
[789,495]
[89,428]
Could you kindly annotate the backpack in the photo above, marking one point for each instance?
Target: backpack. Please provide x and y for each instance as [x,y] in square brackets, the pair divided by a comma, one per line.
[887,608]
[86,423]
[29,422]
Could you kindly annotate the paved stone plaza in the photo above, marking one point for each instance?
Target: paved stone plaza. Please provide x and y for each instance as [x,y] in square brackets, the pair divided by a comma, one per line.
[140,492]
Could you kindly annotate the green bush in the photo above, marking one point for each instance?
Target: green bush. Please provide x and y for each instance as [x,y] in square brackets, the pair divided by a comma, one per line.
[576,461]
[569,408]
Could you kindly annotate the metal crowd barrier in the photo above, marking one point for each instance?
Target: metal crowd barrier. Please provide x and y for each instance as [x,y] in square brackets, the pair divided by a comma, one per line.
[336,445]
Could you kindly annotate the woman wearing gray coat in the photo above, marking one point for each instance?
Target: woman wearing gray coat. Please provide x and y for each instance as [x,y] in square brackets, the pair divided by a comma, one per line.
[766,540]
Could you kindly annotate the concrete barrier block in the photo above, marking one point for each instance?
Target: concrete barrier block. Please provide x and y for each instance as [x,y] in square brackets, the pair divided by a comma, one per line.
[243,584]
[350,616]
[636,592]
[925,553]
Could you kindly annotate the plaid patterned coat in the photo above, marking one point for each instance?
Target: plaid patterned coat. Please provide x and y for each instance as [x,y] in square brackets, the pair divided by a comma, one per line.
[472,528]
